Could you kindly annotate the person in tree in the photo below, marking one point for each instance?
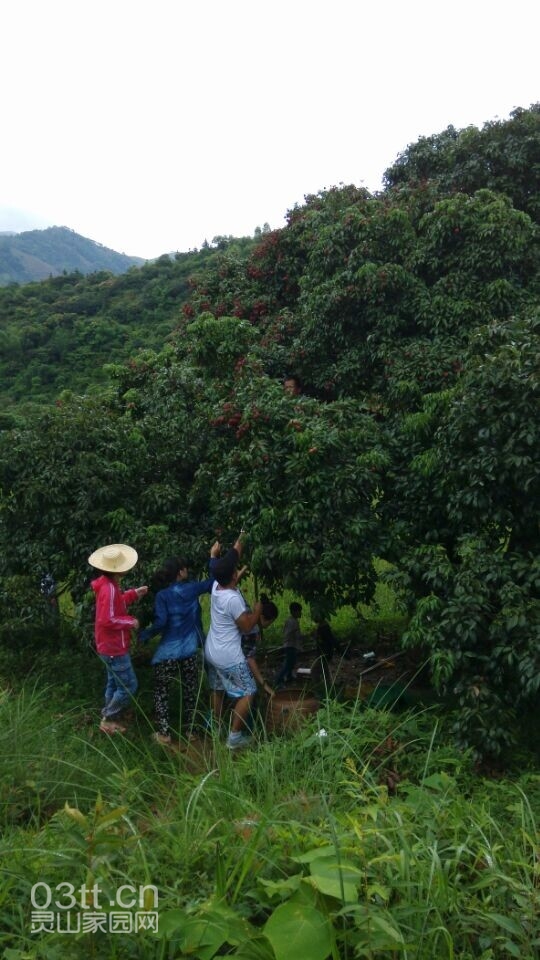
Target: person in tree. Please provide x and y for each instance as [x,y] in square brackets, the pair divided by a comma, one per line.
[292,385]
[113,627]
[292,644]
[177,617]
[228,670]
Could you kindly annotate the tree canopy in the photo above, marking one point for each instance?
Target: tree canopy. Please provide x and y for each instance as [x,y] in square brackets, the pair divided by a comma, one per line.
[411,319]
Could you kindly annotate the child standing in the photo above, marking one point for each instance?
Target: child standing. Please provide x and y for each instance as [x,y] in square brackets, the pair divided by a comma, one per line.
[292,643]
[113,627]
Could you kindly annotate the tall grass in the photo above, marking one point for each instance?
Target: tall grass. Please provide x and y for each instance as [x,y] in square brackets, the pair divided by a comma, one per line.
[362,833]
[254,852]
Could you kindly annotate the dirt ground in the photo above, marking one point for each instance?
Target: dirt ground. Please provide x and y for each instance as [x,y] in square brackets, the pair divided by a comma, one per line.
[384,665]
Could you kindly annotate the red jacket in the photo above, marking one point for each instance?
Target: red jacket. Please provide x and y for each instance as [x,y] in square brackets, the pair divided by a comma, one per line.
[113,623]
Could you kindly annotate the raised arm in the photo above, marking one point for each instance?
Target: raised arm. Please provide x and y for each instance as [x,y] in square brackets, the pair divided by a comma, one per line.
[238,545]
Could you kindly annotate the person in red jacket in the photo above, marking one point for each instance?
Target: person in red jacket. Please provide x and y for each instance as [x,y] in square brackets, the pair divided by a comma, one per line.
[113,628]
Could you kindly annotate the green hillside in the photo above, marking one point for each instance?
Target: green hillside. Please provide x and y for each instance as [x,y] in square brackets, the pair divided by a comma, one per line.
[38,254]
[59,333]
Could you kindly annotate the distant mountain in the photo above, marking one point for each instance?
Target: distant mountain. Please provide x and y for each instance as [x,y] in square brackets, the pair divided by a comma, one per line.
[38,254]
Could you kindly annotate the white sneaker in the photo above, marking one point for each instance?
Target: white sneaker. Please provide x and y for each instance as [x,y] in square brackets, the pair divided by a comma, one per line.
[237,741]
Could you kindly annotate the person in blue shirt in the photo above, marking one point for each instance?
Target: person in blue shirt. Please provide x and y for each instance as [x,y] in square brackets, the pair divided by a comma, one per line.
[177,617]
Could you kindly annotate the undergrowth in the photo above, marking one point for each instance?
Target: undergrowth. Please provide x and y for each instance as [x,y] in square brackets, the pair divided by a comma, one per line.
[362,833]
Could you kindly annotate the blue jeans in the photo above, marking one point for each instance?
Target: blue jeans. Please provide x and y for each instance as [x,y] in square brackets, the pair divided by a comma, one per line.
[121,684]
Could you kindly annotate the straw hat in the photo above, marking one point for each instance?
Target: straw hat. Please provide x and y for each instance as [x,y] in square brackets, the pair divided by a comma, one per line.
[114,558]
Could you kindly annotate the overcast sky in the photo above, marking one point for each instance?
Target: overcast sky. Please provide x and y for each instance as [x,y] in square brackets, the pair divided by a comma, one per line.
[152,126]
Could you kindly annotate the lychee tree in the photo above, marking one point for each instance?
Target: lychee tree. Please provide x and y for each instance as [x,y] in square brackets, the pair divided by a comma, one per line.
[411,319]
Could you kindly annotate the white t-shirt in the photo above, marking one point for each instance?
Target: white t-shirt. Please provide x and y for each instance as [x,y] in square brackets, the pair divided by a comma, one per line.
[223,646]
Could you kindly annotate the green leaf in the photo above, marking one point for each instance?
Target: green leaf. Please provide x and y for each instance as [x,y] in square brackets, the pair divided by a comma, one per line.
[513,948]
[256,949]
[111,817]
[75,814]
[335,879]
[507,923]
[297,930]
[201,935]
[316,854]
[282,888]
[170,923]
[378,926]
[377,890]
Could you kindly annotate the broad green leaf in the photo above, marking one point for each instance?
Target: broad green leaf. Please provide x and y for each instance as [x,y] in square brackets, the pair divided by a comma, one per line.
[336,880]
[170,922]
[299,931]
[316,854]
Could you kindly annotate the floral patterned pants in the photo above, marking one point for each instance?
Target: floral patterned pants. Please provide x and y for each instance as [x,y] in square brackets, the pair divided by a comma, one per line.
[187,671]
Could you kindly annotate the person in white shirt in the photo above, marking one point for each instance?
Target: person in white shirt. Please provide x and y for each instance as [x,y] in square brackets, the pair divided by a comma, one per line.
[228,670]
